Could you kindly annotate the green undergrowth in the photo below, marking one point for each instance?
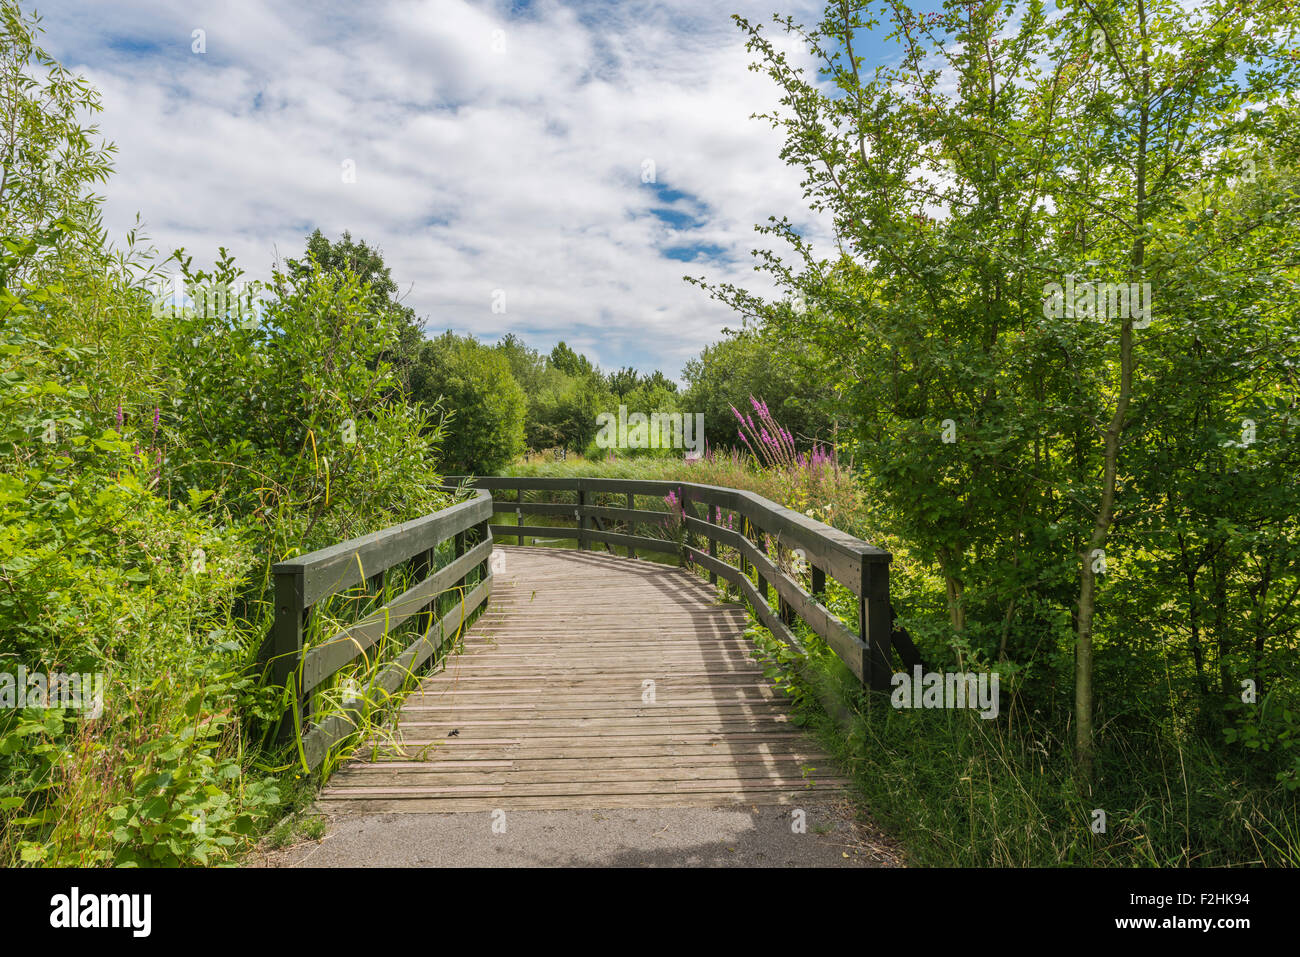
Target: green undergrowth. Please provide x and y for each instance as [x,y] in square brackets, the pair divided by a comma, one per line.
[1172,788]
[958,790]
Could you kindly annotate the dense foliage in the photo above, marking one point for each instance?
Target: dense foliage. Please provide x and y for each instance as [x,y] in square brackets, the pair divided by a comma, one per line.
[157,457]
[1052,366]
[485,404]
[1061,325]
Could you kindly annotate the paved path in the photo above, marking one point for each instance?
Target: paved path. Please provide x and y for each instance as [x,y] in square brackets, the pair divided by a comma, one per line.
[623,837]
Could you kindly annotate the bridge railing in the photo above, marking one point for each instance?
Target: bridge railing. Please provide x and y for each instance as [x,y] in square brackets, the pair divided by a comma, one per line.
[302,583]
[767,536]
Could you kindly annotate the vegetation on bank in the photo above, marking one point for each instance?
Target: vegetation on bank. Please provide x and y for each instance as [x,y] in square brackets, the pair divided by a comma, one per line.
[958,790]
[1060,324]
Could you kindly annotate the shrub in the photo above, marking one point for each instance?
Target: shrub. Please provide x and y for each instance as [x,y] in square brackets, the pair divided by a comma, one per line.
[485,406]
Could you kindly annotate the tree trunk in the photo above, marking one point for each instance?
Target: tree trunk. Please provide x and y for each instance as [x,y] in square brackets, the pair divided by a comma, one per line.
[1084,742]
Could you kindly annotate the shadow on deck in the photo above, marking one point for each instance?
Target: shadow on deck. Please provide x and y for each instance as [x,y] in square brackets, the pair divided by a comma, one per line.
[591,682]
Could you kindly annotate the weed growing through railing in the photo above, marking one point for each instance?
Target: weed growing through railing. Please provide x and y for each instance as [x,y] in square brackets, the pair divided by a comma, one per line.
[354,693]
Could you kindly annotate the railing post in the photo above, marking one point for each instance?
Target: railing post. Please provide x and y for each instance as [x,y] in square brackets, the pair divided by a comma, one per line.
[422,568]
[484,568]
[818,579]
[286,646]
[760,543]
[688,537]
[713,542]
[783,608]
[582,517]
[519,512]
[744,533]
[631,550]
[459,547]
[875,624]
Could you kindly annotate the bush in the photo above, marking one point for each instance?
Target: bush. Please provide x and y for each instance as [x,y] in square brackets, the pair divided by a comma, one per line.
[484,404]
[154,464]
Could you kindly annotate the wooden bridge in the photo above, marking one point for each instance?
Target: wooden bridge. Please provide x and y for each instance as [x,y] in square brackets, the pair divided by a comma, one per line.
[581,679]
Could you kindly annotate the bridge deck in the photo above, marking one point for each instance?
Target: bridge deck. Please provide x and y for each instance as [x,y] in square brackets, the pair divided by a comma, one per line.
[548,705]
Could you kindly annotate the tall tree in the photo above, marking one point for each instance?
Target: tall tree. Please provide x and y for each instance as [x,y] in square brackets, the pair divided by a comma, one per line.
[484,405]
[367,264]
[998,192]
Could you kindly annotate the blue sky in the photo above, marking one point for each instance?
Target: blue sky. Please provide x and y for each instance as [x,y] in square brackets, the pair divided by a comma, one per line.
[498,147]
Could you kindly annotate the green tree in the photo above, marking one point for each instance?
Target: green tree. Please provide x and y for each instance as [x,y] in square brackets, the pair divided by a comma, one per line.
[726,374]
[564,415]
[623,381]
[367,264]
[1003,155]
[570,362]
[527,365]
[485,406]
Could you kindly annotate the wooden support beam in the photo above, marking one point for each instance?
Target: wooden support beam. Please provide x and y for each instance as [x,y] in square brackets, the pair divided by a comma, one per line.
[875,624]
[631,530]
[286,647]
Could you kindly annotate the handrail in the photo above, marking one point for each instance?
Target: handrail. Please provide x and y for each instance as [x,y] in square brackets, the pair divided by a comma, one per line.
[765,526]
[302,582]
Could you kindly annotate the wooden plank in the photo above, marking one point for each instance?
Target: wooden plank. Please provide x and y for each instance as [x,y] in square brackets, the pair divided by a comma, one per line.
[548,703]
[341,566]
[643,542]
[328,657]
[404,780]
[360,771]
[535,531]
[580,801]
[590,755]
[543,789]
[559,509]
[285,651]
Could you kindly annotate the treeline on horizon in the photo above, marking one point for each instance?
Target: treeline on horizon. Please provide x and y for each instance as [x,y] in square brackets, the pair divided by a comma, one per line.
[501,400]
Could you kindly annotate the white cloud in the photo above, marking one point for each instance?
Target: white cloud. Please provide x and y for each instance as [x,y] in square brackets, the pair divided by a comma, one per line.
[475,170]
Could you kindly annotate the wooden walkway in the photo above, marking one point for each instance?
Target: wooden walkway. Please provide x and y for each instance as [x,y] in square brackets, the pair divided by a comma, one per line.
[590,682]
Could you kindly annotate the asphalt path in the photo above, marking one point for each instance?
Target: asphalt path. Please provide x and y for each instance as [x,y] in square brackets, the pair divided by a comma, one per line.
[766,836]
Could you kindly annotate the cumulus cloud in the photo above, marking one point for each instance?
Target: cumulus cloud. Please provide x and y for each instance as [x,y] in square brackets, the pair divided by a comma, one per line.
[495,147]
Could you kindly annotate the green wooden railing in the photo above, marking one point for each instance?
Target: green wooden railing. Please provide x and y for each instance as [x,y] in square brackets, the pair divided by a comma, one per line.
[767,536]
[302,583]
